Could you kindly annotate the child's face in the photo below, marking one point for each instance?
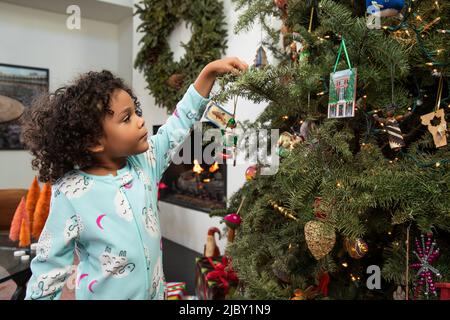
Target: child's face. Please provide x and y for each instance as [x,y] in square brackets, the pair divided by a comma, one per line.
[125,131]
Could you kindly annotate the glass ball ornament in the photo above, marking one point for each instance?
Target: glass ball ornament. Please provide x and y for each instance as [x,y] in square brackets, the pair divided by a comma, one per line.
[251,172]
[356,248]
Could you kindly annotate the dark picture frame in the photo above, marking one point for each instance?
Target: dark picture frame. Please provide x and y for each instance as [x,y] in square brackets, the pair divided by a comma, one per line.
[23,84]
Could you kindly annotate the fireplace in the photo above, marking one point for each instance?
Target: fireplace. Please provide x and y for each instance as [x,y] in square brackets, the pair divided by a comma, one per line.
[196,184]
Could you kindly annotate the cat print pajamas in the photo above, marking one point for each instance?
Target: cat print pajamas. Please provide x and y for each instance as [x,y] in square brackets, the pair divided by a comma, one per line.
[112,222]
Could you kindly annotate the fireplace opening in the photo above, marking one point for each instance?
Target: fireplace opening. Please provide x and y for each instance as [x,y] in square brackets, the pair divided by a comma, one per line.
[196,184]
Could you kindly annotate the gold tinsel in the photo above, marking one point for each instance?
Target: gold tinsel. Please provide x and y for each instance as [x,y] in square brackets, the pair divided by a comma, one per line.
[282,210]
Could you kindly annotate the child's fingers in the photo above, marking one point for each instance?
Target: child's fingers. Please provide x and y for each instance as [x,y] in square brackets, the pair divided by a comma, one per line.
[231,69]
[239,64]
[235,71]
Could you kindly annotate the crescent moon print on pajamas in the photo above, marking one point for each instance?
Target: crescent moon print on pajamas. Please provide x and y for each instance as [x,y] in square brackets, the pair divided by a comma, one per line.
[116,266]
[44,246]
[123,208]
[156,279]
[81,277]
[74,227]
[99,220]
[50,282]
[74,185]
[150,222]
[126,179]
[91,285]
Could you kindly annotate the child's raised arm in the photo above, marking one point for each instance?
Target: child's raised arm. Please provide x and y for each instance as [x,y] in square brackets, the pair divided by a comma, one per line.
[189,110]
[172,134]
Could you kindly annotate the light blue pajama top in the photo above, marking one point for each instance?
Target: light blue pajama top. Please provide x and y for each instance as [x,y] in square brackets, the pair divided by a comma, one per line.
[112,222]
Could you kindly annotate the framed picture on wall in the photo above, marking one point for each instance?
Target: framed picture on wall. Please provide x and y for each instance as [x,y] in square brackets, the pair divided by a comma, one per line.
[19,85]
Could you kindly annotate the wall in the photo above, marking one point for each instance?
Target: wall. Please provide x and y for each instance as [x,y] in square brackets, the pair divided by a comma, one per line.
[40,39]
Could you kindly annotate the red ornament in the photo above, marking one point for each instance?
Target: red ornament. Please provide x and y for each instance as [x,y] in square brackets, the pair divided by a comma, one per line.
[250,173]
[319,214]
[223,273]
[324,281]
[161,186]
[232,220]
[225,155]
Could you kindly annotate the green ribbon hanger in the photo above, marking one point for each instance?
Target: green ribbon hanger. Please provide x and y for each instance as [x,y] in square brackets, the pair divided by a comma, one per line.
[339,55]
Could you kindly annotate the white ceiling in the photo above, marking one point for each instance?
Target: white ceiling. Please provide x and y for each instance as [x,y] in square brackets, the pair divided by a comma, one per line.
[112,11]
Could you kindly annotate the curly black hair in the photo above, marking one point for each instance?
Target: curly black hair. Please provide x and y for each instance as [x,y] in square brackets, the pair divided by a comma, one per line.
[59,127]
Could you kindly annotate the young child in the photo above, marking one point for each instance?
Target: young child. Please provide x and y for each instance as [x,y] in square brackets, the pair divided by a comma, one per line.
[89,140]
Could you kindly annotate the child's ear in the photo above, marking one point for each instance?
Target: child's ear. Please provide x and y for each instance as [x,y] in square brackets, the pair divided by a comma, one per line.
[97,147]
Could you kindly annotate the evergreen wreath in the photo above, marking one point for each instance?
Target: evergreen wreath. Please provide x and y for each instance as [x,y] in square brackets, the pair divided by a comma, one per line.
[168,80]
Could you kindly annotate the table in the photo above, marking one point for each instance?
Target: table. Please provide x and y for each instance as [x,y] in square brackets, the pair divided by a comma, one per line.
[13,268]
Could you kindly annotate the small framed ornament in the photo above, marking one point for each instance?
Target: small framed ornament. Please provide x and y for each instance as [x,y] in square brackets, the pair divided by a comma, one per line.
[218,115]
[342,96]
[226,122]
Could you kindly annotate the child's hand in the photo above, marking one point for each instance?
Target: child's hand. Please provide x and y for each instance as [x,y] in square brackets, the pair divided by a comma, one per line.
[206,78]
[227,65]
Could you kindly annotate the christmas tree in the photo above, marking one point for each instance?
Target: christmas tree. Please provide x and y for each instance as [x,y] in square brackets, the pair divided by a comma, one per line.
[361,93]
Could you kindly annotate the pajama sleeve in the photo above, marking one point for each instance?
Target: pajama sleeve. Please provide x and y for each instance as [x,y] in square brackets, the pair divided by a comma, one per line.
[52,265]
[172,134]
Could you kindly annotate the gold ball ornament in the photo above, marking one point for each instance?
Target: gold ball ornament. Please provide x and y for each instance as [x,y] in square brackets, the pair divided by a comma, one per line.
[320,238]
[299,295]
[307,294]
[356,248]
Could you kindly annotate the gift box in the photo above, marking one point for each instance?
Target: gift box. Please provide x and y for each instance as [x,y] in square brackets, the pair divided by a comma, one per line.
[214,278]
[176,290]
[445,290]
